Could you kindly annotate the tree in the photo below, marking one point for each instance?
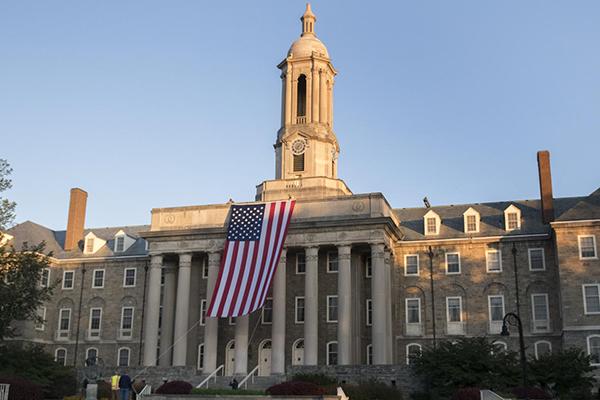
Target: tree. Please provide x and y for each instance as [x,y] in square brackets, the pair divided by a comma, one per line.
[7,208]
[468,362]
[21,293]
[566,373]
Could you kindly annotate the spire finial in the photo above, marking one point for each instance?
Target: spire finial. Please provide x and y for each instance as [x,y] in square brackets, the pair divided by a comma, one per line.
[308,21]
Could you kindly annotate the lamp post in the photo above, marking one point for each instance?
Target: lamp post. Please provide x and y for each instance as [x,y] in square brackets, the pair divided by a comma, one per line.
[430,254]
[514,320]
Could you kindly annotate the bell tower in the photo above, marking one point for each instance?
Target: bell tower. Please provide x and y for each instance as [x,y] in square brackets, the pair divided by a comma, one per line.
[306,149]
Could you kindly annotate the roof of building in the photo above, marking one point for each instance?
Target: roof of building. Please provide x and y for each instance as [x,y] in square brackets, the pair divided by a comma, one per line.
[491,218]
[586,208]
[33,233]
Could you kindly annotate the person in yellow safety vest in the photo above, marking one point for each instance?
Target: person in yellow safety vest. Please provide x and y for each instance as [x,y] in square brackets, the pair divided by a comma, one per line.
[114,385]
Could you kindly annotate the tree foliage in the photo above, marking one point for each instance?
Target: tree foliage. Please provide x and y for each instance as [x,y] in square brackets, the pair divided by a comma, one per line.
[7,208]
[566,374]
[468,362]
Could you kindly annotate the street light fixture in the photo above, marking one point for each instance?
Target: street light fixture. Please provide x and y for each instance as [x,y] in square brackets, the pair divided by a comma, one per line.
[514,320]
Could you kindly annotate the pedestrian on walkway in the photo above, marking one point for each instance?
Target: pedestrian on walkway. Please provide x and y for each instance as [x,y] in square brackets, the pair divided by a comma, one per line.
[124,386]
[114,385]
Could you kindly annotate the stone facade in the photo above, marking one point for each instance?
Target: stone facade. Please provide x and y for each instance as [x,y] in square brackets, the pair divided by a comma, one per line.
[375,270]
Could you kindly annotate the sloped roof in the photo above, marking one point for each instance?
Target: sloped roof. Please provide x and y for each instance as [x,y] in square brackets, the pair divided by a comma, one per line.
[33,233]
[492,219]
[586,208]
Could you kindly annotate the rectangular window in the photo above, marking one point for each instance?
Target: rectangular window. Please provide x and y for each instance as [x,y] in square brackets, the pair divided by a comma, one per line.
[98,279]
[267,311]
[126,322]
[332,261]
[41,325]
[298,162]
[496,308]
[452,263]
[471,223]
[45,278]
[536,260]
[368,267]
[89,245]
[64,319]
[232,320]
[203,312]
[300,263]
[493,260]
[587,247]
[332,302]
[454,309]
[205,268]
[299,314]
[129,277]
[68,280]
[411,264]
[119,244]
[591,299]
[512,222]
[541,317]
[369,308]
[95,322]
[431,226]
[413,310]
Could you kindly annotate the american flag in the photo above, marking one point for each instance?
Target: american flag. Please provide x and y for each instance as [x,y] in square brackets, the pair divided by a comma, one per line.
[255,238]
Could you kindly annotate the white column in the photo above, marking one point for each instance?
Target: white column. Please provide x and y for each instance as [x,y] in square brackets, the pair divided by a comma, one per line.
[182,309]
[241,345]
[151,312]
[211,327]
[378,285]
[344,312]
[315,94]
[311,310]
[388,311]
[168,316]
[278,328]
[288,96]
[322,97]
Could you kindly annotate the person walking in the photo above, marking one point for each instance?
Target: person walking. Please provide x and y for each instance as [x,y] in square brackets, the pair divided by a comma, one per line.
[114,385]
[124,386]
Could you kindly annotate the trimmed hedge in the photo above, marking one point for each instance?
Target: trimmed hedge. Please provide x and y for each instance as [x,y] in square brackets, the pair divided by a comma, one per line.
[533,393]
[296,388]
[237,392]
[372,390]
[22,389]
[467,394]
[175,387]
[317,379]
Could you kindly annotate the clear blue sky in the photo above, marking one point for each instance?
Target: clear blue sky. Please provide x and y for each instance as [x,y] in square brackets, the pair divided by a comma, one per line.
[154,104]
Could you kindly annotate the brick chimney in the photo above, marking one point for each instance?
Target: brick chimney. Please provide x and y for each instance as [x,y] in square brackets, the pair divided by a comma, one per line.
[76,221]
[543,158]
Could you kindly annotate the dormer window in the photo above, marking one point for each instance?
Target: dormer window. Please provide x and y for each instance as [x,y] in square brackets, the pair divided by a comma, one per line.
[512,218]
[432,223]
[471,221]
[119,244]
[89,245]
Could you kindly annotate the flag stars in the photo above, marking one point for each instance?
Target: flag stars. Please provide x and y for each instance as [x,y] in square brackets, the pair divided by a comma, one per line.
[246,222]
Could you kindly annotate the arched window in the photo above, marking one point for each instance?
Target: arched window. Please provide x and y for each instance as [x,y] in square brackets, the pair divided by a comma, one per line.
[542,347]
[301,99]
[593,345]
[332,352]
[91,356]
[123,360]
[413,350]
[369,354]
[60,356]
[298,352]
[201,356]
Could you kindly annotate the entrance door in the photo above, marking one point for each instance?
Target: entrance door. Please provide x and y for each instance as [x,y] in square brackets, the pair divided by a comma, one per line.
[264,363]
[230,358]
[298,352]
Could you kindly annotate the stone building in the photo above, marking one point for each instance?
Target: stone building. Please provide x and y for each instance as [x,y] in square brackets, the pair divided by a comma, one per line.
[358,282]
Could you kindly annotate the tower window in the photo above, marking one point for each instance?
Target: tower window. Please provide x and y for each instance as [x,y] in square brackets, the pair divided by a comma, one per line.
[301,111]
[298,162]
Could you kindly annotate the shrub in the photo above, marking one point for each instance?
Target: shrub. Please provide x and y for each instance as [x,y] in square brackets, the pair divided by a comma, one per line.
[104,389]
[296,388]
[531,393]
[175,387]
[75,397]
[372,390]
[467,394]
[22,389]
[420,396]
[317,379]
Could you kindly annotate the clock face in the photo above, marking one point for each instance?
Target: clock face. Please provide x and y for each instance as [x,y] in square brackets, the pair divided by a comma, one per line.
[298,146]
